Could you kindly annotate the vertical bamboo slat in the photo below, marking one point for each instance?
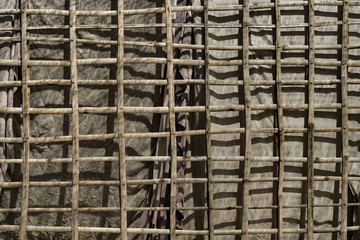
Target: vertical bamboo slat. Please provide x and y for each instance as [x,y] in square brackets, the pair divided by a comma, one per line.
[121,119]
[246,76]
[171,94]
[208,123]
[280,118]
[75,123]
[26,121]
[310,135]
[344,119]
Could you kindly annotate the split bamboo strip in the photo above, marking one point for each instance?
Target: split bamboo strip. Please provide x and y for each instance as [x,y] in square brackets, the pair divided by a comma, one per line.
[280,118]
[171,97]
[310,127]
[210,190]
[75,123]
[121,118]
[26,121]
[344,120]
[247,97]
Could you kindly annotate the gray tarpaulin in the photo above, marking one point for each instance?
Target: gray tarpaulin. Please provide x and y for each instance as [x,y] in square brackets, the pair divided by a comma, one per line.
[228,197]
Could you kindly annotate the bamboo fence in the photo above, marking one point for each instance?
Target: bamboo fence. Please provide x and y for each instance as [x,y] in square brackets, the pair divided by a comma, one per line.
[246,108]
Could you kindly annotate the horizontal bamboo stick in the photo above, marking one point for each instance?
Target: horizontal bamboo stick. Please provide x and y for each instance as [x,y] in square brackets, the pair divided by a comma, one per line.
[113,209]
[173,9]
[109,110]
[168,180]
[15,228]
[65,82]
[102,61]
[89,137]
[182,158]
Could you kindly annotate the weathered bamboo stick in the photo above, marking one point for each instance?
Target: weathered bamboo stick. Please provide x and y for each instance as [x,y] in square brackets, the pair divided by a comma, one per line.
[26,121]
[101,61]
[248,107]
[182,158]
[65,82]
[171,96]
[121,119]
[344,120]
[179,232]
[280,119]
[209,171]
[112,209]
[311,122]
[168,181]
[75,123]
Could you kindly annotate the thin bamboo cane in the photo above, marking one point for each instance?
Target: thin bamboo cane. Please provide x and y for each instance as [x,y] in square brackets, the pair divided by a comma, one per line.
[64,82]
[182,158]
[166,231]
[26,121]
[102,61]
[209,172]
[173,9]
[280,119]
[121,119]
[310,130]
[247,104]
[171,93]
[112,209]
[344,120]
[34,184]
[75,124]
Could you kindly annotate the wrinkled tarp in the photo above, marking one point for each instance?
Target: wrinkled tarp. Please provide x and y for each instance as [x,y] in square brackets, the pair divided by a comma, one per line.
[8,51]
[159,196]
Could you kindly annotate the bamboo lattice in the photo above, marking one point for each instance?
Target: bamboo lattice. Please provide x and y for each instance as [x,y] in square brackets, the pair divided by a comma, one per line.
[245,85]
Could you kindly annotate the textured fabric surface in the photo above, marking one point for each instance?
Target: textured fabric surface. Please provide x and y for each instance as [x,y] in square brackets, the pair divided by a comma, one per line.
[8,51]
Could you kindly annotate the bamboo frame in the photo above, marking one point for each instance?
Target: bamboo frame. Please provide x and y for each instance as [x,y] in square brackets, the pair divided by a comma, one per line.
[246,109]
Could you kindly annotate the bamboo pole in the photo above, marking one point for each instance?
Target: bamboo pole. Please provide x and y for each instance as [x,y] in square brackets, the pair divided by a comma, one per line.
[121,119]
[310,130]
[171,95]
[26,121]
[75,123]
[344,120]
[210,193]
[246,77]
[280,119]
